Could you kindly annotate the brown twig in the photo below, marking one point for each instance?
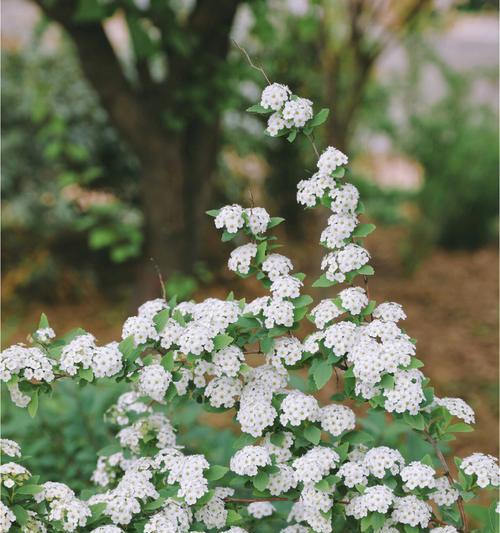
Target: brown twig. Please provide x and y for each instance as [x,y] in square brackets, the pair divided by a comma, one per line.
[160,277]
[251,63]
[447,473]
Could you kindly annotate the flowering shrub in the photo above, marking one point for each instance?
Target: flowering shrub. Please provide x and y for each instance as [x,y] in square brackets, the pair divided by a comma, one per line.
[303,465]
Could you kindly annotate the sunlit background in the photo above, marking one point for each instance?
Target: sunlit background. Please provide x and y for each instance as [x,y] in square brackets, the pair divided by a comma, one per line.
[118,138]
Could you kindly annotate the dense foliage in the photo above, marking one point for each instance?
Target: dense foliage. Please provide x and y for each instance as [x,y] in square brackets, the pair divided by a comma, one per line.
[294,461]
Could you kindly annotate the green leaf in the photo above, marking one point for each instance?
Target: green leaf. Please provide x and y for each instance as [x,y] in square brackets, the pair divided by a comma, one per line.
[357,437]
[257,108]
[292,136]
[363,230]
[97,509]
[266,344]
[368,310]
[460,428]
[302,301]
[127,348]
[319,118]
[22,515]
[226,236]
[142,44]
[278,439]
[213,212]
[215,472]
[88,11]
[86,374]
[261,252]
[243,440]
[322,485]
[43,322]
[366,270]
[261,480]
[312,434]
[167,361]
[275,221]
[160,319]
[322,281]
[222,340]
[387,382]
[415,363]
[233,518]
[29,489]
[156,504]
[338,172]
[322,374]
[33,405]
[206,497]
[377,520]
[415,421]
[109,450]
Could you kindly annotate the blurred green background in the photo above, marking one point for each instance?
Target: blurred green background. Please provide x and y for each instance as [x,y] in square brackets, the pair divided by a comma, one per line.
[123,121]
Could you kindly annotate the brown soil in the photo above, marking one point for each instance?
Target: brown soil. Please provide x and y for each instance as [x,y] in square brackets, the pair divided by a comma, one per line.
[451,302]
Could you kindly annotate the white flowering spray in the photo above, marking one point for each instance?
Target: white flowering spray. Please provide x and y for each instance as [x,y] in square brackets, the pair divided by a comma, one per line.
[299,465]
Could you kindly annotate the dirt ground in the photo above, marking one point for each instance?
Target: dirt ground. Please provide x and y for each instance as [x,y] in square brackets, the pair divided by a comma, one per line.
[451,302]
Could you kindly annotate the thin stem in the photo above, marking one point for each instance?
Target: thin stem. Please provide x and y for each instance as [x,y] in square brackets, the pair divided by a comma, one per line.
[311,139]
[447,473]
[251,63]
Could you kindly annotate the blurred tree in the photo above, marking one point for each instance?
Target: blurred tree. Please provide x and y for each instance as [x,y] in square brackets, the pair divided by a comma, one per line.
[167,108]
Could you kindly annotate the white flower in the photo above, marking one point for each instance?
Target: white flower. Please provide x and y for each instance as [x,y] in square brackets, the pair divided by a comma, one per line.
[230,217]
[412,511]
[353,299]
[299,111]
[389,312]
[315,464]
[353,473]
[10,448]
[457,407]
[485,467]
[228,361]
[106,360]
[274,96]
[28,363]
[330,159]
[241,257]
[340,337]
[44,334]
[154,381]
[214,513]
[223,391]
[445,529]
[275,123]
[282,481]
[344,198]
[260,509]
[313,189]
[276,265]
[376,499]
[286,351]
[379,460]
[336,419]
[246,462]
[7,517]
[297,407]
[417,474]
[142,329]
[325,312]
[444,494]
[258,219]
[174,517]
[278,312]
[407,393]
[340,228]
[286,287]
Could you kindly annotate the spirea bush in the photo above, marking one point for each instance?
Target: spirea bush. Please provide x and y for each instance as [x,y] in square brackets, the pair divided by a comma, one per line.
[297,464]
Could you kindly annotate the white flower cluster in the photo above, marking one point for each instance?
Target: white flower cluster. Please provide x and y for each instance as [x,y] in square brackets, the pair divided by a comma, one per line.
[155,426]
[12,474]
[341,262]
[298,407]
[289,111]
[336,419]
[376,499]
[418,475]
[83,353]
[214,513]
[7,517]
[353,299]
[154,381]
[276,265]
[412,511]
[315,464]
[444,494]
[324,313]
[248,460]
[10,448]
[457,407]
[275,311]
[330,160]
[26,363]
[234,217]
[44,335]
[241,258]
[484,466]
[63,506]
[260,509]
[286,352]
